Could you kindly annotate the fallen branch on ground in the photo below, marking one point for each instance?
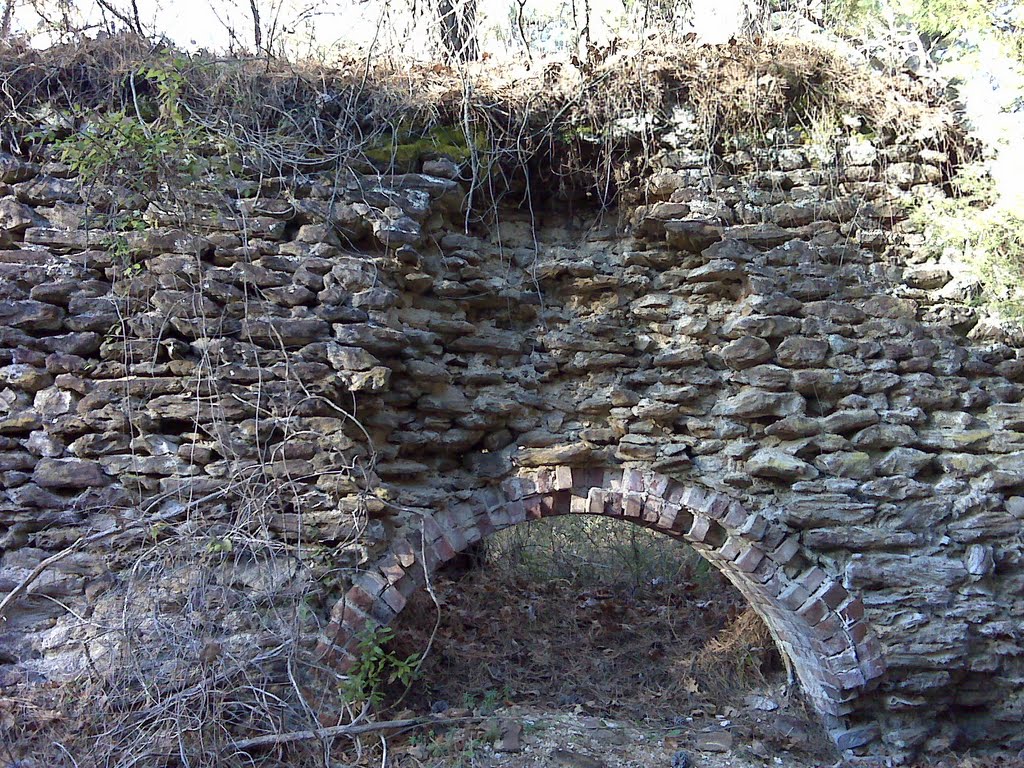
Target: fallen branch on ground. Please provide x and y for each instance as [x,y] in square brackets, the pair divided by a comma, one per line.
[344,730]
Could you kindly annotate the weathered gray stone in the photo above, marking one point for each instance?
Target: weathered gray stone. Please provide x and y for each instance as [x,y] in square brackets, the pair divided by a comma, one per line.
[855,464]
[801,352]
[764,326]
[884,436]
[776,464]
[68,474]
[350,358]
[47,190]
[14,216]
[752,403]
[979,560]
[693,235]
[903,461]
[745,352]
[845,422]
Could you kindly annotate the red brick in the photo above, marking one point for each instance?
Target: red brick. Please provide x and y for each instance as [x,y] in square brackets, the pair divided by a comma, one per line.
[391,568]
[718,505]
[359,597]
[754,528]
[596,501]
[431,530]
[403,550]
[858,631]
[735,517]
[676,493]
[394,598]
[872,668]
[828,626]
[330,634]
[652,509]
[343,661]
[443,550]
[694,498]
[813,611]
[852,611]
[455,536]
[786,551]
[749,559]
[489,498]
[632,481]
[834,595]
[851,678]
[793,596]
[869,648]
[383,613]
[764,571]
[667,517]
[460,515]
[353,621]
[813,578]
[631,504]
[587,477]
[557,503]
[699,529]
[373,583]
[730,549]
[485,526]
[774,537]
[835,644]
[657,485]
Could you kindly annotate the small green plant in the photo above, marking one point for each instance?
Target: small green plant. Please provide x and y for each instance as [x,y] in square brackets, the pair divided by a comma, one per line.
[219,546]
[143,145]
[376,666]
[487,703]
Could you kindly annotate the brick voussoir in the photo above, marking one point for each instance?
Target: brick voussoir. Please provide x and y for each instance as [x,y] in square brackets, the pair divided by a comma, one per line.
[754,528]
[786,550]
[793,596]
[676,493]
[516,488]
[651,511]
[658,484]
[372,582]
[632,504]
[698,529]
[749,558]
[736,516]
[632,481]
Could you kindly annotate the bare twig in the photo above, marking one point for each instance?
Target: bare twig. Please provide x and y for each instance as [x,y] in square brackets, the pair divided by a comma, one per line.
[345,730]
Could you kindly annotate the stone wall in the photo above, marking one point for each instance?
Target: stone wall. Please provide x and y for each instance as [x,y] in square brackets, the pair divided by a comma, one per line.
[752,360]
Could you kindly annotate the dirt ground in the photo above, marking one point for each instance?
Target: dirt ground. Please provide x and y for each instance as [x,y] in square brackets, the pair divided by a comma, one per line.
[528,737]
[671,671]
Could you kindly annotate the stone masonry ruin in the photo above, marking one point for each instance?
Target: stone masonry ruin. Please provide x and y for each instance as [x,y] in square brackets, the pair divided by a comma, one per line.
[746,355]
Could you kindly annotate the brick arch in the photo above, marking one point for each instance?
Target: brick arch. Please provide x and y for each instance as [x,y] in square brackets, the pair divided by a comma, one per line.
[819,627]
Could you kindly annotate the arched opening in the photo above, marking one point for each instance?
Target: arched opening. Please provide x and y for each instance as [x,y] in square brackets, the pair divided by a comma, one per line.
[818,626]
[579,622]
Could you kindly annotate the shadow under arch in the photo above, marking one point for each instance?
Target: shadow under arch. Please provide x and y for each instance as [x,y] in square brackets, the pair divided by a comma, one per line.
[819,627]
